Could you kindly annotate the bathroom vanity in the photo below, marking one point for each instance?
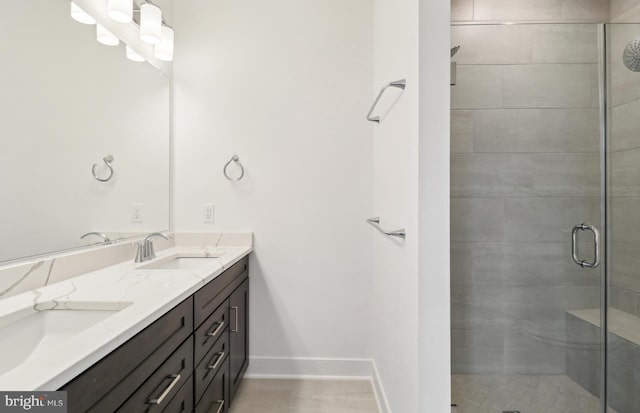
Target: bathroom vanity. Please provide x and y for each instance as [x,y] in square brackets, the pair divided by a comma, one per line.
[170,334]
[193,357]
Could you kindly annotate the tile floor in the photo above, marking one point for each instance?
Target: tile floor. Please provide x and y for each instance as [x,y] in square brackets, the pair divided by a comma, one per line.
[483,393]
[304,396]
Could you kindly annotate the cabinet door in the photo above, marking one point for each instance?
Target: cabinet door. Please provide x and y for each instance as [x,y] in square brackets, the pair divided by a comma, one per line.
[239,337]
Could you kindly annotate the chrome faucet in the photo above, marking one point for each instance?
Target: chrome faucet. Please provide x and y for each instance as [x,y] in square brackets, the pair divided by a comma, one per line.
[105,239]
[146,251]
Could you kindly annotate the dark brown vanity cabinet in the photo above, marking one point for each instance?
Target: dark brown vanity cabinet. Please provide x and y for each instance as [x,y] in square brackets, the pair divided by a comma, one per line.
[192,359]
[239,335]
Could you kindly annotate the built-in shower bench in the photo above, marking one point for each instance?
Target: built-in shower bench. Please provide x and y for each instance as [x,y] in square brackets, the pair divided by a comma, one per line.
[623,355]
[620,323]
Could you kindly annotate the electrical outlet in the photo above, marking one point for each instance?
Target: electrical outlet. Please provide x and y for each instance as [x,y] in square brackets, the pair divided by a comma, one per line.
[208,213]
[137,213]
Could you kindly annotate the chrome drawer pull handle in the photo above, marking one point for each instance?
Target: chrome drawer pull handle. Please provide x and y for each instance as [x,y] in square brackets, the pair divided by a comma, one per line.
[217,330]
[218,361]
[236,311]
[221,402]
[176,379]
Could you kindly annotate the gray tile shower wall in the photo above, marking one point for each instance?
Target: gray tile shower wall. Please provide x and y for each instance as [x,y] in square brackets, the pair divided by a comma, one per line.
[534,10]
[524,170]
[625,11]
[624,158]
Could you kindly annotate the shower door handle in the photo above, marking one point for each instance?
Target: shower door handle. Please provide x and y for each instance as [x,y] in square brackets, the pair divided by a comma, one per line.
[596,245]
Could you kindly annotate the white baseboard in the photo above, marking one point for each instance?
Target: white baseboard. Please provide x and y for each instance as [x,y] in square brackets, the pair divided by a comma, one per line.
[268,367]
[320,369]
[378,389]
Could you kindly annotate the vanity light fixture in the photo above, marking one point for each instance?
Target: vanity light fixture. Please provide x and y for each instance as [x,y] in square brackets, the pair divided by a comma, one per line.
[121,10]
[80,15]
[164,50]
[133,55]
[105,37]
[150,23]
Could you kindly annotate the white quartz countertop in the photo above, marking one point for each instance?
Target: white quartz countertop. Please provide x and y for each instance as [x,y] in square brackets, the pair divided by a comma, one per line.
[136,297]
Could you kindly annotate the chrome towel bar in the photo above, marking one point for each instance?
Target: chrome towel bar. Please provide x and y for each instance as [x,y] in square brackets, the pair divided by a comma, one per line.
[375,222]
[400,84]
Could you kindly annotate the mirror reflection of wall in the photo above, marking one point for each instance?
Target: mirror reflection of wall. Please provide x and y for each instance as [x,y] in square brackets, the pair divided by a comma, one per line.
[67,102]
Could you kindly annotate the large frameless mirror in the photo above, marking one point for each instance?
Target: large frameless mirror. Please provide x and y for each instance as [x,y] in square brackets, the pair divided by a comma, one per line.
[86,135]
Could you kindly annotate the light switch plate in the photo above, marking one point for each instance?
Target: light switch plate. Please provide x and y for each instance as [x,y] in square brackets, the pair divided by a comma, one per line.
[137,213]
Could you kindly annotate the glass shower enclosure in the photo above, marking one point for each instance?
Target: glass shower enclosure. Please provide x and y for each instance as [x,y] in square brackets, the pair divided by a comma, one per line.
[545,196]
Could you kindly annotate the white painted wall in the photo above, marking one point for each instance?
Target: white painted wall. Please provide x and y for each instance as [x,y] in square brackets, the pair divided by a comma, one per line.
[286,85]
[411,190]
[433,186]
[67,101]
[395,159]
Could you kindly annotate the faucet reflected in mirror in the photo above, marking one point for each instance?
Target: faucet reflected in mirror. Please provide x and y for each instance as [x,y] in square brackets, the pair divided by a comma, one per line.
[105,239]
[146,250]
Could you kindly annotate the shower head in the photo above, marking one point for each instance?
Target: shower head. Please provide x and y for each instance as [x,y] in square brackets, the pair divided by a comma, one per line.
[454,50]
[631,54]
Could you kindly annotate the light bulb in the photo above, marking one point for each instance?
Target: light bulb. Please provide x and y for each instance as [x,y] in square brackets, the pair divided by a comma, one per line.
[105,37]
[150,23]
[164,50]
[133,55]
[121,10]
[80,15]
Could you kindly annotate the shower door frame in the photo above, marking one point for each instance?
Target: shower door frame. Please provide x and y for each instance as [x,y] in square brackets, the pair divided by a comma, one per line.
[604,208]
[604,183]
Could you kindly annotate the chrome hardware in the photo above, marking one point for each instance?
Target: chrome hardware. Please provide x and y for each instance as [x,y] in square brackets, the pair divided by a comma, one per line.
[140,253]
[596,245]
[375,222]
[107,161]
[165,393]
[105,239]
[146,250]
[236,309]
[218,361]
[235,159]
[221,406]
[454,74]
[217,330]
[400,84]
[454,66]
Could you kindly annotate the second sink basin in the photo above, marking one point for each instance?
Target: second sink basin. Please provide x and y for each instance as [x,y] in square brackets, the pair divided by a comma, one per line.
[27,330]
[186,261]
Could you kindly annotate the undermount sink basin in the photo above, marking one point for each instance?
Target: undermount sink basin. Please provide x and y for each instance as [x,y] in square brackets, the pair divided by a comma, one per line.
[27,330]
[187,261]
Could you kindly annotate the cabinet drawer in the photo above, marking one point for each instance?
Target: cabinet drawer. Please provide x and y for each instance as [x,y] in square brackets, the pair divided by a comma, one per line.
[212,295]
[212,362]
[216,396]
[212,329]
[110,382]
[182,402]
[164,383]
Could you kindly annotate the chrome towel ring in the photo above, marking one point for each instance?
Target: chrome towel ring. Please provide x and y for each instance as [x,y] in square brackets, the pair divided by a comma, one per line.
[235,159]
[107,161]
